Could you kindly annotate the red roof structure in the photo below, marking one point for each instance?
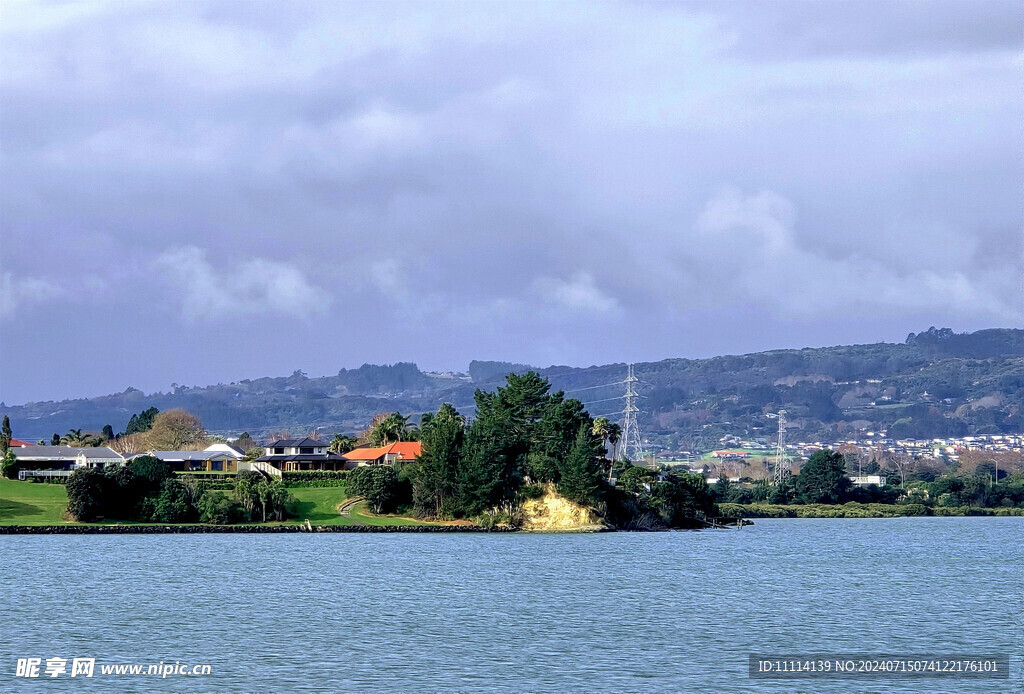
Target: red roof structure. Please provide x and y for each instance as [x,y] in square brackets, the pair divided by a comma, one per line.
[20,444]
[403,450]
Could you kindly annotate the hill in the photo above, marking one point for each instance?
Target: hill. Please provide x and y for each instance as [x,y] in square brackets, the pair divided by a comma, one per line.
[936,383]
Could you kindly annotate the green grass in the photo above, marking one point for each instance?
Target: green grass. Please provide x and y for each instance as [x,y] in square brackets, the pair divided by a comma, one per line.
[32,503]
[28,503]
[319,505]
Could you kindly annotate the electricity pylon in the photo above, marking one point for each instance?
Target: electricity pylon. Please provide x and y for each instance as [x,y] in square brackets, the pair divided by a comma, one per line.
[781,470]
[631,446]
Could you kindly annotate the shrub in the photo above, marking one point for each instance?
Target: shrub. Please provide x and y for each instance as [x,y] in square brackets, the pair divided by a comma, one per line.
[89,492]
[218,509]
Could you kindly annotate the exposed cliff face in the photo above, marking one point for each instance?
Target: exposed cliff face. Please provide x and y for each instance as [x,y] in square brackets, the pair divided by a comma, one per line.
[554,513]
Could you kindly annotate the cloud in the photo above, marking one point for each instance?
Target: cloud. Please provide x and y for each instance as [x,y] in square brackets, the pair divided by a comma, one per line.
[472,171]
[256,286]
[578,293]
[758,256]
[20,292]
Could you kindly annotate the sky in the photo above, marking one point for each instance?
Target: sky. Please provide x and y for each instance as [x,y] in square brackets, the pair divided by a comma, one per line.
[201,192]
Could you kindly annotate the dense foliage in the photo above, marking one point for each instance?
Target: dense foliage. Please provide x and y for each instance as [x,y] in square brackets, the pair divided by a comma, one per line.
[524,438]
[146,490]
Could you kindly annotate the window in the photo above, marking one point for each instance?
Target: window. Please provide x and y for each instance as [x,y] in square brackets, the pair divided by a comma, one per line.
[278,451]
[306,451]
[217,465]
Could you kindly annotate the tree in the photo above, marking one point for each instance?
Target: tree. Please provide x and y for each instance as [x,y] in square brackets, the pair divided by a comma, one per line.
[9,465]
[342,444]
[435,475]
[635,479]
[823,480]
[149,474]
[614,434]
[5,434]
[88,494]
[246,492]
[601,429]
[722,487]
[55,439]
[377,483]
[173,505]
[579,470]
[387,427]
[108,432]
[142,421]
[173,430]
[245,442]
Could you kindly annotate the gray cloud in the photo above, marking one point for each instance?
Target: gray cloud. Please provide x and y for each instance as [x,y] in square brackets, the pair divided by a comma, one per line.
[480,173]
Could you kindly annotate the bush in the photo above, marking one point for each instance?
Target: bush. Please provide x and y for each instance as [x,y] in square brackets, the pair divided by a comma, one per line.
[9,465]
[173,505]
[89,494]
[218,509]
[315,478]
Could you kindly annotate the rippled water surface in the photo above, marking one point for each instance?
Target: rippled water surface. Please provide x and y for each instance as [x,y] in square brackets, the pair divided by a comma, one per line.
[617,611]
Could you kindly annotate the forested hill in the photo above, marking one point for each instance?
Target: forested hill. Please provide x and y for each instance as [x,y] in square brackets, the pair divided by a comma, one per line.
[937,383]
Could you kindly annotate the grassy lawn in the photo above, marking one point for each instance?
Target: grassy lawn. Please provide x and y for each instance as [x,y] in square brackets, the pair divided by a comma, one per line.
[32,503]
[28,503]
[319,505]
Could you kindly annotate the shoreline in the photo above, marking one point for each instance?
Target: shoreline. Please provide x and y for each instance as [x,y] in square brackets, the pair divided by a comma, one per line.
[237,529]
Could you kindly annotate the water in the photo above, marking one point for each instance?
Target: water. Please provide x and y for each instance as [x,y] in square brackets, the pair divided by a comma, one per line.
[619,611]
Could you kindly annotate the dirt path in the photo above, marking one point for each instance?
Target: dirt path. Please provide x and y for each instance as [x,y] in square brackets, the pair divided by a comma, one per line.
[346,508]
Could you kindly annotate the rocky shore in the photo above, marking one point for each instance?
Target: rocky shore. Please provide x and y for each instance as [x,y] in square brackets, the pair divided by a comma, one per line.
[175,529]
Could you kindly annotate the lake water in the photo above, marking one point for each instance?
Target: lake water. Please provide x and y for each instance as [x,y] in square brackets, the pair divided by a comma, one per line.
[617,611]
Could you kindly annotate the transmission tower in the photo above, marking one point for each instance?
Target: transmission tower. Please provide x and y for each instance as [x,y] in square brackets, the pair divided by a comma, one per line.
[631,446]
[781,470]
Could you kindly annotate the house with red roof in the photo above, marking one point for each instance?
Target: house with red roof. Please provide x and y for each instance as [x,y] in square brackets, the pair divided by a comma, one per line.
[20,444]
[384,455]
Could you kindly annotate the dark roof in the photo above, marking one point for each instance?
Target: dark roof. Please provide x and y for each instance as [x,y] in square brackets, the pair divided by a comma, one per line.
[296,443]
[310,457]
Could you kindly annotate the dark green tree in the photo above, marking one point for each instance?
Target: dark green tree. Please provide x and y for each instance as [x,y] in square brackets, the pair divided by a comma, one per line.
[823,480]
[435,475]
[142,421]
[5,434]
[635,480]
[579,471]
[377,483]
[89,492]
[55,440]
[108,432]
[172,505]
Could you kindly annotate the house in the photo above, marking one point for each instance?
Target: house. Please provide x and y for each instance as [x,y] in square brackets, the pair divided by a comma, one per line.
[65,457]
[384,455]
[197,461]
[865,480]
[291,455]
[15,443]
[233,451]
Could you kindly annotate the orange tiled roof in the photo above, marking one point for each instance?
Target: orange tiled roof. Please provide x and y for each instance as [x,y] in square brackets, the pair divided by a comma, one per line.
[406,450]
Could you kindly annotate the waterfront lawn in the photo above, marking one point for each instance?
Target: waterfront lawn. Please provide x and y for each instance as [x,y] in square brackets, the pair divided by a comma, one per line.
[32,503]
[319,505]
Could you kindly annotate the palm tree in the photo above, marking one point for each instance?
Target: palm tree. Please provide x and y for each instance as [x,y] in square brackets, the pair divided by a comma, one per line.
[387,428]
[342,444]
[600,429]
[73,437]
[614,434]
